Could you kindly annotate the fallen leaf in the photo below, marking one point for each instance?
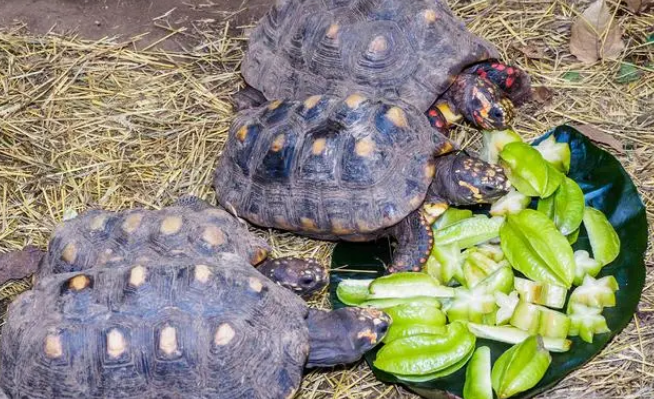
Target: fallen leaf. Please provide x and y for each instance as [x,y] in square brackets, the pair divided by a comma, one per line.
[593,133]
[572,76]
[531,50]
[637,6]
[628,73]
[542,95]
[595,35]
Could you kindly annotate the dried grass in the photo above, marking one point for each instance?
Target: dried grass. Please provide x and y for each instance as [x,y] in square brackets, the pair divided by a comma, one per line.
[96,124]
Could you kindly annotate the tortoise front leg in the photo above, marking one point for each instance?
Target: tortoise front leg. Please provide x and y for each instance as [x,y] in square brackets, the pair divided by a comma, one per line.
[414,241]
[247,98]
[19,264]
[302,276]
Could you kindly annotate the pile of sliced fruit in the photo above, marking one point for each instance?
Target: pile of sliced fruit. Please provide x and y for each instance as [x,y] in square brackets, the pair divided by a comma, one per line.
[506,277]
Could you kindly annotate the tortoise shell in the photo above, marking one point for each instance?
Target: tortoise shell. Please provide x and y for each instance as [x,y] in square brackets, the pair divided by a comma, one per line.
[98,237]
[327,167]
[165,328]
[397,49]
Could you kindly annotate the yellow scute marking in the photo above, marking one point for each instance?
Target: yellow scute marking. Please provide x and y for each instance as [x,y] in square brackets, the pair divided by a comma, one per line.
[364,147]
[397,116]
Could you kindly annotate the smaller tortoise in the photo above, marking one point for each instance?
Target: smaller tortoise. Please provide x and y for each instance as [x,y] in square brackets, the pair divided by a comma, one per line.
[416,52]
[353,169]
[191,227]
[187,326]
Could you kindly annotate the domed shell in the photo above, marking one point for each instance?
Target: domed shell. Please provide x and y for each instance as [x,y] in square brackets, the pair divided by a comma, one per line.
[98,237]
[398,49]
[166,328]
[328,167]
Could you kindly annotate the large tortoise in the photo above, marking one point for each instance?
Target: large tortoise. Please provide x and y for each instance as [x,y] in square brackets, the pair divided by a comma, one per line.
[353,169]
[190,227]
[416,52]
[145,323]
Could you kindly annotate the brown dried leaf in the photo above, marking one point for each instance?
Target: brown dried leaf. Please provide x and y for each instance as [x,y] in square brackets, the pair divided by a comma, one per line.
[595,35]
[593,133]
[531,50]
[542,95]
[637,6]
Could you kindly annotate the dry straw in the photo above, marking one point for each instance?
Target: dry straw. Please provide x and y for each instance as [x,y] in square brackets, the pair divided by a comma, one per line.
[97,124]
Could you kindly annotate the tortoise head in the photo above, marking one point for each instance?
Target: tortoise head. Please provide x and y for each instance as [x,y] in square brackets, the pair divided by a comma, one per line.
[344,335]
[465,180]
[485,105]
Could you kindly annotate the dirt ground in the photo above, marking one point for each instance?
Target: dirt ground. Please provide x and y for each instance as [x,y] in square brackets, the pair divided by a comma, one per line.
[96,19]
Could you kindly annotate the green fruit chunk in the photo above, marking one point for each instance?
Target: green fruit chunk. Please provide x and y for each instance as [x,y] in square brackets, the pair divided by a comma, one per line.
[507,305]
[528,171]
[565,207]
[398,331]
[514,335]
[553,324]
[520,368]
[408,284]
[585,265]
[513,202]
[445,263]
[477,266]
[586,322]
[451,216]
[604,240]
[535,247]
[352,292]
[573,237]
[469,232]
[477,304]
[426,354]
[478,383]
[491,251]
[555,153]
[526,316]
[384,303]
[416,313]
[439,374]
[551,295]
[598,293]
[493,143]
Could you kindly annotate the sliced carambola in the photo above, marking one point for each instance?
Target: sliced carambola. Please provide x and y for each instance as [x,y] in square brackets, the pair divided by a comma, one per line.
[526,316]
[534,246]
[478,383]
[450,216]
[506,306]
[514,201]
[586,321]
[352,292]
[514,335]
[520,368]
[557,154]
[585,265]
[439,374]
[383,303]
[426,354]
[477,266]
[551,295]
[553,324]
[416,313]
[408,284]
[445,263]
[469,232]
[565,207]
[604,240]
[475,304]
[598,293]
[528,171]
[398,331]
[493,143]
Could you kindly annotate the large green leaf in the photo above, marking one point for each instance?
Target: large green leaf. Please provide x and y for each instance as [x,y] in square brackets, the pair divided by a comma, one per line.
[606,187]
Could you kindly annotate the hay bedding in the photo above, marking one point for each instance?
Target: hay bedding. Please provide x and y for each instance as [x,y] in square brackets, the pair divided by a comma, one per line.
[96,124]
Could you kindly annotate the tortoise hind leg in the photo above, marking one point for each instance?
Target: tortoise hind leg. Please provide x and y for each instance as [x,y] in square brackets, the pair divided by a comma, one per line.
[414,241]
[247,98]
[513,81]
[302,276]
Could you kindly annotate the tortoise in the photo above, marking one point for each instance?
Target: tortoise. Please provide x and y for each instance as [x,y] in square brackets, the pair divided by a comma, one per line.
[191,226]
[417,52]
[353,169]
[147,304]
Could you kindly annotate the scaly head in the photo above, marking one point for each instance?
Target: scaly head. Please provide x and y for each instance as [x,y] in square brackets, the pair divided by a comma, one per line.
[302,276]
[342,336]
[485,104]
[465,180]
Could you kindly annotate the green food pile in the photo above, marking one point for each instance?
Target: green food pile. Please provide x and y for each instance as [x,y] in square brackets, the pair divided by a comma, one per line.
[510,276]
